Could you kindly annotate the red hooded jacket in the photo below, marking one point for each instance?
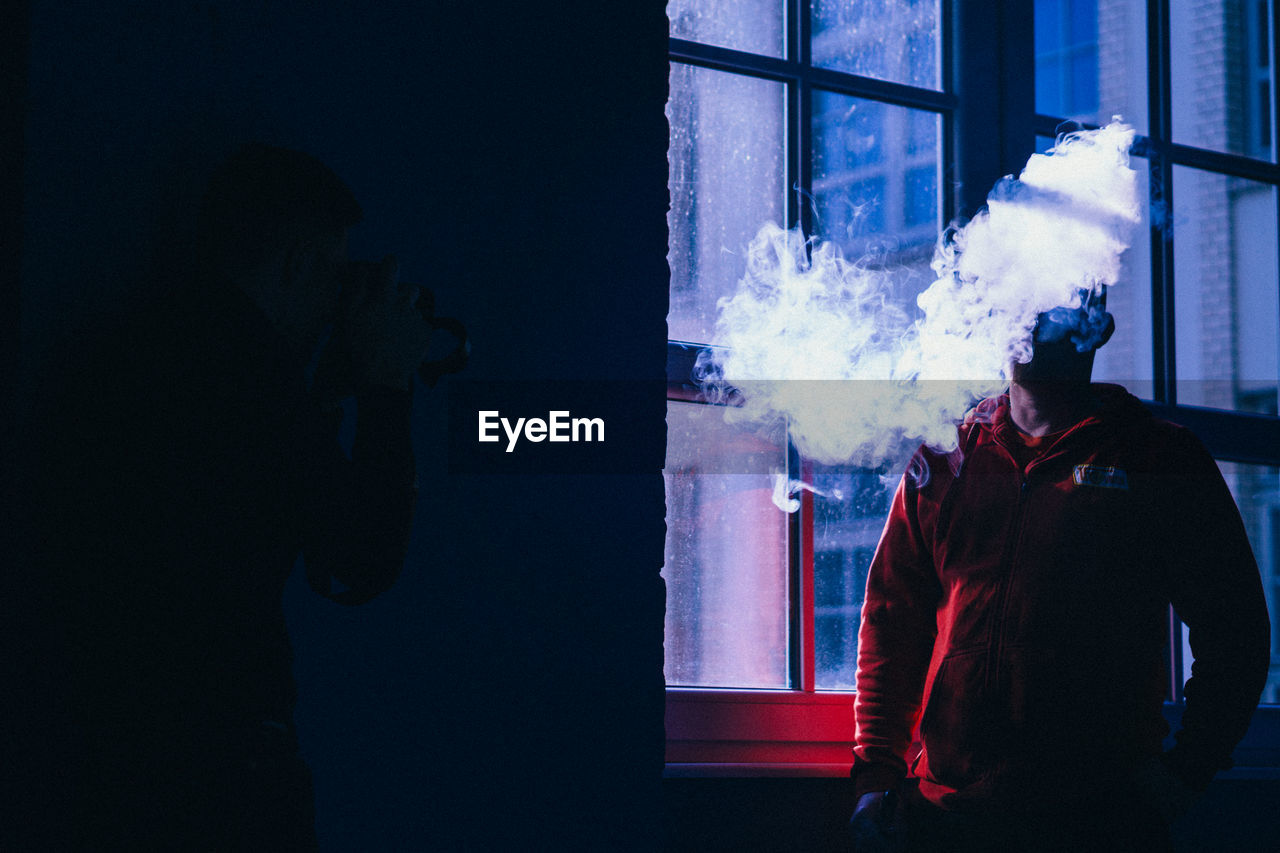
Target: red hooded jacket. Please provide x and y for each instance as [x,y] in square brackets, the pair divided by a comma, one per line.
[1015,620]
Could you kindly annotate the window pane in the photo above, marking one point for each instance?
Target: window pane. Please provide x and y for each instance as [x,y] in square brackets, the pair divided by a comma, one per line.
[1091,61]
[849,509]
[1126,358]
[1217,65]
[920,204]
[875,184]
[727,178]
[1256,489]
[1084,83]
[1225,281]
[1048,18]
[755,26]
[894,41]
[726,554]
[1050,92]
[1082,28]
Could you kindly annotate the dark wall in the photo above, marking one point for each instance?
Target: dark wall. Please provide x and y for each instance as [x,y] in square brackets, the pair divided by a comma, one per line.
[509,688]
[13,91]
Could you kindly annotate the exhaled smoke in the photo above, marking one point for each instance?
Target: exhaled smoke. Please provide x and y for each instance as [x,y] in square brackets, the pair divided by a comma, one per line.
[818,342]
[786,489]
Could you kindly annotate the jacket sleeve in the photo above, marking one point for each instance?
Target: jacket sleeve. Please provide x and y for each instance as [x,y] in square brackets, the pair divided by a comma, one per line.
[895,642]
[1217,592]
[360,509]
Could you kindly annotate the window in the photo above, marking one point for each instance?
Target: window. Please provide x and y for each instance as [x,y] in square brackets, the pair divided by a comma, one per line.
[830,117]
[843,119]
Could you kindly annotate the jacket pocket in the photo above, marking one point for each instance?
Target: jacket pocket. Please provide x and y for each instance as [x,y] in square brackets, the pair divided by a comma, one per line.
[956,724]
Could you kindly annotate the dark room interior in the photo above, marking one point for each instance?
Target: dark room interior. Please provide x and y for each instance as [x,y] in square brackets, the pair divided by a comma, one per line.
[520,687]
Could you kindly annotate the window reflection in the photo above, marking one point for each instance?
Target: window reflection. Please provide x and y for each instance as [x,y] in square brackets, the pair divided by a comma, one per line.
[1221,77]
[1227,301]
[1067,58]
[1091,60]
[875,185]
[849,507]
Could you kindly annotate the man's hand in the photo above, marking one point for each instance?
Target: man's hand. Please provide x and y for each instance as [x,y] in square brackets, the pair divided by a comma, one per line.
[870,825]
[385,331]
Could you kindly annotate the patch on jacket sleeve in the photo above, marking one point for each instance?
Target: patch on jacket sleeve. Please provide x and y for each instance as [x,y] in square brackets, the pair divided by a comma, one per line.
[1101,476]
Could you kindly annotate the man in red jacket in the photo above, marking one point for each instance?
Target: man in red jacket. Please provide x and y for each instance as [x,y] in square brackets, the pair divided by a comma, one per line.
[1015,623]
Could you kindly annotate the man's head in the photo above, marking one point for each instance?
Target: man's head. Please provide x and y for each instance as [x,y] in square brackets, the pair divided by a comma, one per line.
[1065,339]
[274,222]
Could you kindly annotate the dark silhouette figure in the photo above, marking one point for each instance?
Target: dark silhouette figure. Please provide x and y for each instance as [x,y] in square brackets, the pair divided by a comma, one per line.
[180,471]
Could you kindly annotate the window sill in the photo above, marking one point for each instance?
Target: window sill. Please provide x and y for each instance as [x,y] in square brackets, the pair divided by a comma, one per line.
[718,733]
[755,771]
[757,730]
[832,771]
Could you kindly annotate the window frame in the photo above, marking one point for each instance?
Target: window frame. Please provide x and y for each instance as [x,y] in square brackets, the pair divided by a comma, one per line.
[805,732]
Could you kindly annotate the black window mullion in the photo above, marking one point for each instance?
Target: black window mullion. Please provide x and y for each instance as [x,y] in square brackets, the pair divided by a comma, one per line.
[1274,26]
[946,162]
[803,185]
[1160,124]
[796,525]
[897,94]
[799,143]
[1234,165]
[1160,127]
[728,59]
[787,70]
[1051,126]
[799,169]
[799,180]
[799,27]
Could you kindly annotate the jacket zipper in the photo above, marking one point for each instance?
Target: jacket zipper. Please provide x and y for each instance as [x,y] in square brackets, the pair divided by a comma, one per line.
[1008,562]
[1009,559]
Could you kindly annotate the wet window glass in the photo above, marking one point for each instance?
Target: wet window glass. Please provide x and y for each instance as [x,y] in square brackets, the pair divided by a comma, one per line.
[893,41]
[727,178]
[726,555]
